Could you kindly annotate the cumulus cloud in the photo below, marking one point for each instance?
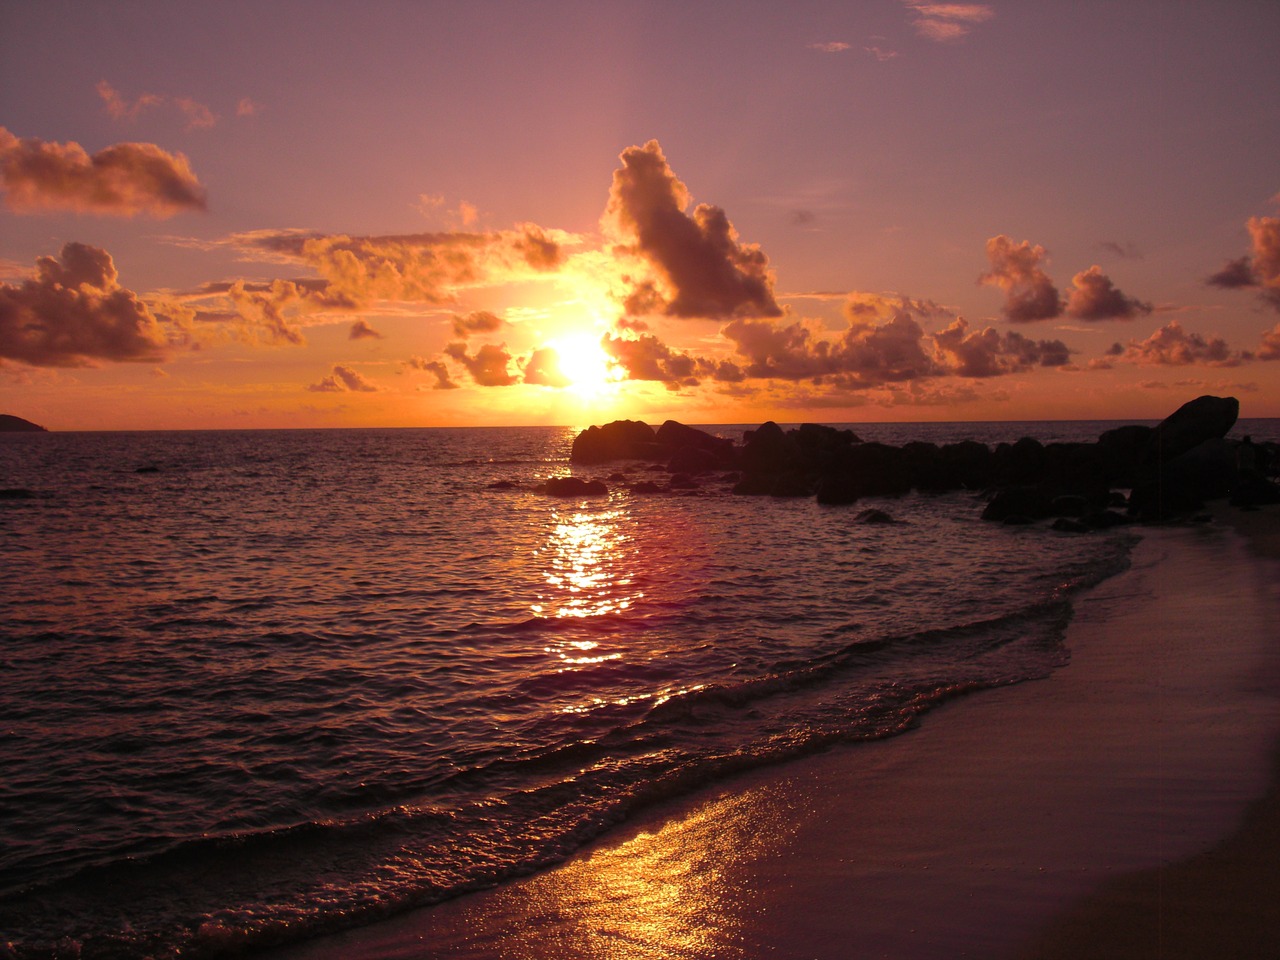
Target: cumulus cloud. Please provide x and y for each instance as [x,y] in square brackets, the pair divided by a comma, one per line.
[74,311]
[1095,297]
[121,180]
[947,22]
[343,380]
[1016,269]
[481,321]
[1259,269]
[645,357]
[988,353]
[1173,346]
[436,368]
[488,366]
[701,268]
[360,330]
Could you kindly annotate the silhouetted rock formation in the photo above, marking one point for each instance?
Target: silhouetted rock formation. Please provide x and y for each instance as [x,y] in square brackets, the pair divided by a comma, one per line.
[1171,469]
[574,487]
[11,424]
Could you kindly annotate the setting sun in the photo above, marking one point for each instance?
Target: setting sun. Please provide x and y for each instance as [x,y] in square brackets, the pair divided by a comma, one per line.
[583,361]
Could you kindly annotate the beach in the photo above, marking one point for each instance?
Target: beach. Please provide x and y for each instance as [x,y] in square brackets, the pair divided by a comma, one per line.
[1124,806]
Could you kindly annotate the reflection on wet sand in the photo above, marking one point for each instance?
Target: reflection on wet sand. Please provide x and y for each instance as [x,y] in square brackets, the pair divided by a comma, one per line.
[675,892]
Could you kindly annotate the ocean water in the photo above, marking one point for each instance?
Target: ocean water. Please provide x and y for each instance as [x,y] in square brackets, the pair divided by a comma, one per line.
[256,686]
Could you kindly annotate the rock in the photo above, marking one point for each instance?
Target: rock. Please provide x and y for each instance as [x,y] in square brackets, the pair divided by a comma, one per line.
[838,490]
[11,424]
[619,440]
[502,485]
[646,486]
[790,485]
[1023,503]
[676,436]
[1198,420]
[17,493]
[768,450]
[147,469]
[1069,505]
[873,516]
[683,481]
[574,487]
[1068,525]
[695,460]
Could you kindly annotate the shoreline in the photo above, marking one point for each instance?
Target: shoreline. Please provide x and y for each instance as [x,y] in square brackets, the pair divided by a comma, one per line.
[1003,814]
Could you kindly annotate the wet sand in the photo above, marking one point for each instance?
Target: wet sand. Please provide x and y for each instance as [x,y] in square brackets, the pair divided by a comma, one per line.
[1083,815]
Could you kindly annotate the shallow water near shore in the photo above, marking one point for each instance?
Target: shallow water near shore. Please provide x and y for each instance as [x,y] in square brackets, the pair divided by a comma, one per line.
[266,684]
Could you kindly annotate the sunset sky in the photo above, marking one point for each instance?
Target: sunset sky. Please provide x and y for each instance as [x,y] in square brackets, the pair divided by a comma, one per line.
[277,214]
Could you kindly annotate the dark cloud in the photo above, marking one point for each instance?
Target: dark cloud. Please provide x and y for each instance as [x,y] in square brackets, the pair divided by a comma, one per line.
[360,330]
[435,368]
[1259,269]
[703,271]
[343,380]
[1235,274]
[1095,297]
[481,321]
[488,366]
[1173,346]
[122,180]
[74,311]
[1016,269]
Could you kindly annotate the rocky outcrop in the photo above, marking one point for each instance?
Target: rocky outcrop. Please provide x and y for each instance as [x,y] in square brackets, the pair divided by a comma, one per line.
[574,487]
[11,424]
[1170,469]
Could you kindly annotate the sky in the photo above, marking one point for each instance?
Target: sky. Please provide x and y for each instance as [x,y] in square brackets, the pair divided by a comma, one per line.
[330,214]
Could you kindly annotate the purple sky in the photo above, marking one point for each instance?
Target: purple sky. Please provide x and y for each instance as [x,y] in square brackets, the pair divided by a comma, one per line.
[325,214]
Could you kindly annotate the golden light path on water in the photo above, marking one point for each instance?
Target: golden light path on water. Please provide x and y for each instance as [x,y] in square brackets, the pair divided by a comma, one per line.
[589,568]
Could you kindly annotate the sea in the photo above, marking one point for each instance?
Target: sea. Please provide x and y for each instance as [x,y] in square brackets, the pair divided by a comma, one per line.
[258,686]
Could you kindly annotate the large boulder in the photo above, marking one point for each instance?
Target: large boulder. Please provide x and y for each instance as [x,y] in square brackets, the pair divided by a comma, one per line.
[1198,420]
[768,450]
[575,487]
[619,440]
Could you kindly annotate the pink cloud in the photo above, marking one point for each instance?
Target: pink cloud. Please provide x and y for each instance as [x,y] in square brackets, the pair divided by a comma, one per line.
[1095,297]
[1173,346]
[1016,269]
[343,380]
[74,311]
[122,180]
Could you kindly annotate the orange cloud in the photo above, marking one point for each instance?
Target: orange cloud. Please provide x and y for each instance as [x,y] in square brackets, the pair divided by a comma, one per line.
[434,367]
[1270,347]
[121,180]
[1259,269]
[1095,297]
[543,367]
[701,268]
[74,311]
[481,321]
[945,22]
[343,380]
[119,108]
[988,353]
[488,366]
[1173,346]
[360,330]
[1016,269]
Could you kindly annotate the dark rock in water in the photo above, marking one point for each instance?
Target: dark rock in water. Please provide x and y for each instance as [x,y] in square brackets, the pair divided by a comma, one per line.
[1024,503]
[967,464]
[754,485]
[1068,525]
[646,486]
[1198,420]
[695,460]
[17,493]
[575,487]
[768,450]
[677,436]
[682,481]
[1021,463]
[1069,505]
[619,440]
[11,424]
[873,516]
[502,485]
[147,469]
[790,485]
[838,490]
[1121,451]
[1180,485]
[1103,519]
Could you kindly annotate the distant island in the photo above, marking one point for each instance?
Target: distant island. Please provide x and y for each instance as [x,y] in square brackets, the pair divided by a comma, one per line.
[11,424]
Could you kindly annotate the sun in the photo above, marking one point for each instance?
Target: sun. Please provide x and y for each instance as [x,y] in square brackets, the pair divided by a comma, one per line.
[583,361]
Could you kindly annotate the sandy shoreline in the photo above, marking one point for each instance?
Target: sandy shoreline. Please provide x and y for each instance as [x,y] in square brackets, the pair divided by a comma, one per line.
[1006,819]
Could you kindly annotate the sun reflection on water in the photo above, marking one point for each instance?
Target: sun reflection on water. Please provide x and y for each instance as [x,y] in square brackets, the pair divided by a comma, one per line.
[589,567]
